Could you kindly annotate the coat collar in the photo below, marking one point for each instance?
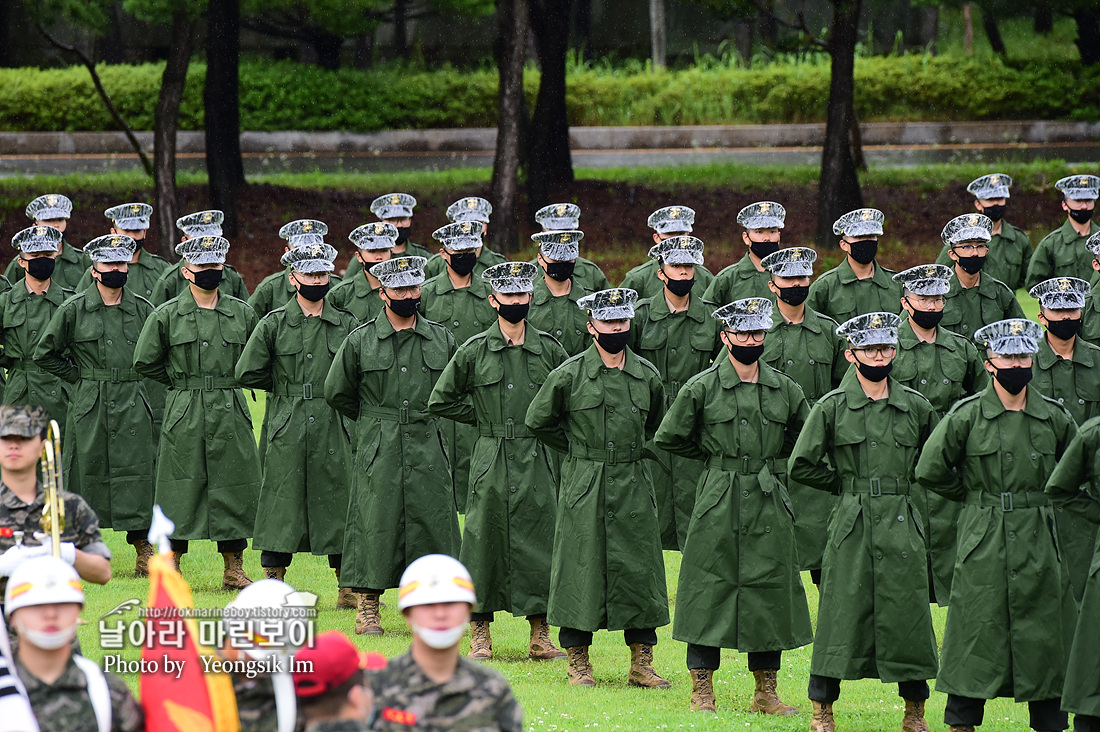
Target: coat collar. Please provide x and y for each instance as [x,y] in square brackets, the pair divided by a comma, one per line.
[1034,404]
[295,316]
[593,364]
[728,378]
[56,294]
[542,294]
[186,303]
[658,308]
[908,340]
[478,286]
[847,276]
[384,328]
[857,398]
[811,320]
[986,287]
[93,300]
[1070,234]
[1082,354]
[495,339]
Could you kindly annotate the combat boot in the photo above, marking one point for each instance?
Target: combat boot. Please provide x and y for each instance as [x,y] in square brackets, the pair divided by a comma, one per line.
[368,621]
[276,573]
[702,690]
[234,578]
[765,700]
[962,728]
[822,720]
[481,642]
[641,668]
[176,559]
[541,648]
[144,553]
[344,596]
[580,668]
[913,721]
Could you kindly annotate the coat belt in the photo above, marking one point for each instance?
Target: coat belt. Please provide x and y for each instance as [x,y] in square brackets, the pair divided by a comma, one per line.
[510,430]
[747,464]
[402,416]
[1009,500]
[611,456]
[114,375]
[877,486]
[286,389]
[205,383]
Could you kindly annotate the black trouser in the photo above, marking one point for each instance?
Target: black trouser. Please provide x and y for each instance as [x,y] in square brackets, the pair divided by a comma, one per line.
[488,617]
[815,576]
[826,689]
[964,711]
[711,657]
[571,637]
[133,537]
[282,559]
[180,546]
[1086,723]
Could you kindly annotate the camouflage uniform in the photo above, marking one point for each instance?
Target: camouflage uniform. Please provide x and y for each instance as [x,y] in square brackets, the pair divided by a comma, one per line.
[338,725]
[255,703]
[65,706]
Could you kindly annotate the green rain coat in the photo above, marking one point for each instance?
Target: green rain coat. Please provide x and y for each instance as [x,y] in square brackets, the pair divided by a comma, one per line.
[401,505]
[356,297]
[608,570]
[1062,253]
[142,275]
[437,265]
[643,279]
[1011,617]
[738,281]
[111,435]
[739,584]
[968,309]
[586,272]
[172,283]
[275,291]
[208,469]
[841,295]
[23,320]
[71,265]
[873,619]
[1090,317]
[680,345]
[512,494]
[561,317]
[1008,259]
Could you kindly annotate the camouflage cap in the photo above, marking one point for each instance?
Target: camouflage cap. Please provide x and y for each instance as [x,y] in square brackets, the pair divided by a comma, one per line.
[470,209]
[111,248]
[762,215]
[48,207]
[925,279]
[22,420]
[400,272]
[393,206]
[994,185]
[511,277]
[1093,245]
[1015,336]
[614,304]
[871,329]
[310,258]
[303,232]
[559,217]
[560,246]
[204,250]
[37,238]
[679,250]
[750,314]
[378,235]
[460,236]
[968,227]
[1080,187]
[130,216]
[861,222]
[791,262]
[672,220]
[1061,293]
[201,223]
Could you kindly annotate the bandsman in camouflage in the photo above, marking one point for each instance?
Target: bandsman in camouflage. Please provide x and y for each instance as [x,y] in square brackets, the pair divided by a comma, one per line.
[358,293]
[665,222]
[762,225]
[557,291]
[1090,316]
[70,264]
[396,209]
[1063,252]
[172,282]
[332,684]
[975,298]
[276,289]
[475,212]
[562,217]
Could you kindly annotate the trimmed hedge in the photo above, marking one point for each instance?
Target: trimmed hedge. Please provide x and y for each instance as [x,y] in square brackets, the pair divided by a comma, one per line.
[292,96]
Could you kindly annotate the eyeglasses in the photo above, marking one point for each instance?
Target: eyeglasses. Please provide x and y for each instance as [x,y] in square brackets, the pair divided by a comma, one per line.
[872,350]
[750,336]
[1024,359]
[970,249]
[929,301]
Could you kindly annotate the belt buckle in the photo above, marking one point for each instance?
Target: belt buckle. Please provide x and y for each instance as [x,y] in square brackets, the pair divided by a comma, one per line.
[307,391]
[114,375]
[208,383]
[876,486]
[403,415]
[1006,502]
[509,430]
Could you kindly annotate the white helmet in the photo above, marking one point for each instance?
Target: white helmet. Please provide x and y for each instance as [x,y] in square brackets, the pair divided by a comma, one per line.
[254,624]
[42,580]
[435,578]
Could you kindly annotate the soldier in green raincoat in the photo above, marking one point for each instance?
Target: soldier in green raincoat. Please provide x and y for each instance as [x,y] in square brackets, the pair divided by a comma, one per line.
[976,298]
[674,331]
[861,441]
[762,223]
[1063,252]
[1011,617]
[54,210]
[112,437]
[665,222]
[859,284]
[474,211]
[276,289]
[208,470]
[25,311]
[308,456]
[1090,316]
[944,367]
[562,217]
[145,268]
[396,209]
[401,504]
[509,530]
[358,294]
[557,291]
[739,584]
[600,408]
[172,281]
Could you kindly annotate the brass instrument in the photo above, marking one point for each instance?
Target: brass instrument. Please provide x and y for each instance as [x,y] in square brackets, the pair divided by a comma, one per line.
[51,479]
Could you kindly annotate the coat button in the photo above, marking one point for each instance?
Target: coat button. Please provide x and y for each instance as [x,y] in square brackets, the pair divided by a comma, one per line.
[745,494]
[633,515]
[205,343]
[744,421]
[611,444]
[610,515]
[924,381]
[812,362]
[510,386]
[874,444]
[513,489]
[901,518]
[767,529]
[309,355]
[109,342]
[404,369]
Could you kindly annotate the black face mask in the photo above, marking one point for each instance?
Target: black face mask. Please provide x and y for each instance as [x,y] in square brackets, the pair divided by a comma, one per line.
[402,235]
[560,271]
[1013,380]
[404,308]
[113,279]
[1064,329]
[763,248]
[207,279]
[874,373]
[613,342]
[515,312]
[314,293]
[794,295]
[927,319]
[463,263]
[864,251]
[41,268]
[971,265]
[1081,215]
[679,288]
[747,355]
[995,213]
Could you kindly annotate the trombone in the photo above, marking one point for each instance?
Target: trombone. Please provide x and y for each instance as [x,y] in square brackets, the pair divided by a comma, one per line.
[51,480]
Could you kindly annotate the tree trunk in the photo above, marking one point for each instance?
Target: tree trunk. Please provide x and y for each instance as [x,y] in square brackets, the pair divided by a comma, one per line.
[512,19]
[930,29]
[1088,35]
[992,32]
[221,99]
[769,26]
[742,36]
[364,51]
[657,33]
[838,189]
[5,32]
[112,46]
[583,28]
[328,47]
[165,123]
[549,161]
[400,29]
[968,30]
[1044,19]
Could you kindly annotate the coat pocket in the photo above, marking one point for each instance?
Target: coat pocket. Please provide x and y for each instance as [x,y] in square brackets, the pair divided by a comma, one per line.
[845,515]
[973,527]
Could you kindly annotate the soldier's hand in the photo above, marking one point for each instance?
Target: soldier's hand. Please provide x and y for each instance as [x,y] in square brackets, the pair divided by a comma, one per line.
[12,558]
[68,551]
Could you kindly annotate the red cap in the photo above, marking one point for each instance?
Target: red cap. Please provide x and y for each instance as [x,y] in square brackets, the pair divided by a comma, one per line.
[331,661]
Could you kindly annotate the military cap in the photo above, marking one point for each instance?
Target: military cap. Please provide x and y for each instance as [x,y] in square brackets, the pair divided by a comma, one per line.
[614,304]
[994,185]
[400,272]
[871,329]
[752,313]
[1080,187]
[204,250]
[861,222]
[130,216]
[511,277]
[111,248]
[762,215]
[559,216]
[1061,293]
[672,220]
[37,238]
[470,209]
[22,420]
[378,235]
[460,236]
[1010,337]
[679,250]
[303,231]
[925,279]
[968,227]
[50,206]
[393,206]
[202,223]
[1093,244]
[560,246]
[791,262]
[310,258]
